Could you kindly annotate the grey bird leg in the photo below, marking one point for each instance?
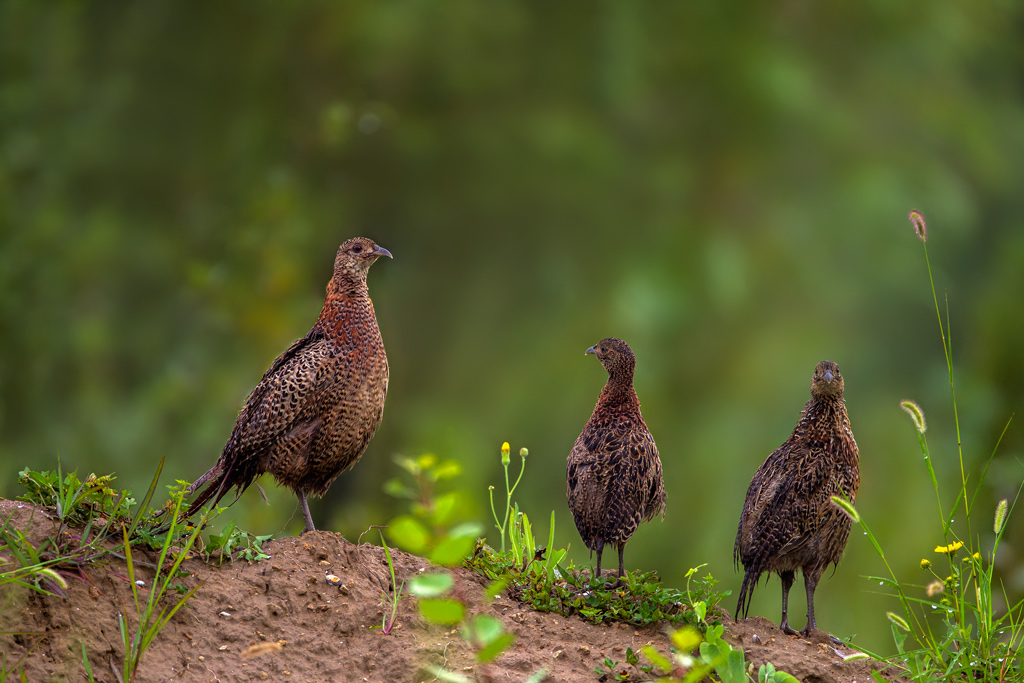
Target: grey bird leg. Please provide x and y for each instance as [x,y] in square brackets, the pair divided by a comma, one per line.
[305,512]
[600,547]
[787,583]
[810,583]
[622,572]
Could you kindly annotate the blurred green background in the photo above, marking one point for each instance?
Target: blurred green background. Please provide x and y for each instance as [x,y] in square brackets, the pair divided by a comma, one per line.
[725,187]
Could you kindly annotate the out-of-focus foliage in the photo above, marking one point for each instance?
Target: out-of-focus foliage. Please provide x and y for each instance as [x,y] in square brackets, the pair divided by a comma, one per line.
[723,186]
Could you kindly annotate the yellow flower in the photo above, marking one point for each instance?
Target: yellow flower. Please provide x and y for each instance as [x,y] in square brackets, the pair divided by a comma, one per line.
[505,449]
[925,564]
[949,549]
[977,556]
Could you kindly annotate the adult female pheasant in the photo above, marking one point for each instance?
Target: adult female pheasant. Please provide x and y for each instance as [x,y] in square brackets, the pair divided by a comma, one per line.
[312,415]
[613,474]
[789,521]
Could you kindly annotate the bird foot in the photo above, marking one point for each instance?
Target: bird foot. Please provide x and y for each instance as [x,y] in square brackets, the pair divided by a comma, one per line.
[787,629]
[617,583]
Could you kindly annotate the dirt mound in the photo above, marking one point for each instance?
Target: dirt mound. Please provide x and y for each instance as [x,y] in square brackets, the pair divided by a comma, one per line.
[282,619]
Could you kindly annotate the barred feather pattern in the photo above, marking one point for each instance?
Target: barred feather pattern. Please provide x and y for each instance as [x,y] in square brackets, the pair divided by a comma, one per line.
[613,473]
[316,408]
[789,521]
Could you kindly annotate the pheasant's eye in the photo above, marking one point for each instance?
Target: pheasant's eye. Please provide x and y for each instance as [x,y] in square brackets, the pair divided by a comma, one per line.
[356,249]
[604,350]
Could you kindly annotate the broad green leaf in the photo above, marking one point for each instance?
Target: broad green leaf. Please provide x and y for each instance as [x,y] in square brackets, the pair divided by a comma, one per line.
[686,639]
[498,646]
[448,469]
[452,551]
[657,659]
[430,585]
[408,533]
[471,529]
[482,629]
[442,610]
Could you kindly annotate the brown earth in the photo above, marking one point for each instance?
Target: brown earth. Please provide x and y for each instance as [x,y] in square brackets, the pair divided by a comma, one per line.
[280,619]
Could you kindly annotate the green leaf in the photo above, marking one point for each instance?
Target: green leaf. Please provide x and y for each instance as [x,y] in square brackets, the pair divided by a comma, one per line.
[408,533]
[482,630]
[687,639]
[448,469]
[395,487]
[498,646]
[452,551]
[444,506]
[430,585]
[442,610]
[657,659]
[471,529]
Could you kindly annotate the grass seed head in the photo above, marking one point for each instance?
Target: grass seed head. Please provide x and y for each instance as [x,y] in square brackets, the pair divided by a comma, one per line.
[917,220]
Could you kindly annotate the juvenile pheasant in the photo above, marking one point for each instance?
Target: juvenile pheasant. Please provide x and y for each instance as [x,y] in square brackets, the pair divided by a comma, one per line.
[613,474]
[312,415]
[789,521]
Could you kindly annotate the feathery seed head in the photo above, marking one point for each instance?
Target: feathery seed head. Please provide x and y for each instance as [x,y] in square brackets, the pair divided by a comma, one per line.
[935,588]
[917,220]
[847,508]
[1000,516]
[916,414]
[898,620]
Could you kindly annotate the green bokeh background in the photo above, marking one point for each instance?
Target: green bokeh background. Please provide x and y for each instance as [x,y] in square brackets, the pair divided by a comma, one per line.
[723,186]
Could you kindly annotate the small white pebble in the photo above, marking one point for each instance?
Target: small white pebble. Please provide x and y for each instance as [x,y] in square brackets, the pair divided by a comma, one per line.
[140,582]
[225,614]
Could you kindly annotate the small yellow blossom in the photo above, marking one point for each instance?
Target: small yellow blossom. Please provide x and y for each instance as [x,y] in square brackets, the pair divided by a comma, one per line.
[505,450]
[925,564]
[977,556]
[949,549]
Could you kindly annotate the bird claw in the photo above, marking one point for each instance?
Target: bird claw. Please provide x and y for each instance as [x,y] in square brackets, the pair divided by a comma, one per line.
[617,583]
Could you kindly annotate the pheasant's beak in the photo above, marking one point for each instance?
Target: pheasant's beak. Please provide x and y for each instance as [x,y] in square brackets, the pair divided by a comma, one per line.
[828,376]
[592,349]
[381,251]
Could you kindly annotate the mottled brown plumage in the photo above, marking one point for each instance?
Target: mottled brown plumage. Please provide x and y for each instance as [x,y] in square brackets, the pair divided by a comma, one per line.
[613,474]
[789,521]
[312,415]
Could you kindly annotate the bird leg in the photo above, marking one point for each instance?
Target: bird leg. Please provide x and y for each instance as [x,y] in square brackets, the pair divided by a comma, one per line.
[810,583]
[305,511]
[600,547]
[622,571]
[787,583]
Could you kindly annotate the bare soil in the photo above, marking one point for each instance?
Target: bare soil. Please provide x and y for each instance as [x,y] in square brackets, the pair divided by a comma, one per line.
[281,619]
